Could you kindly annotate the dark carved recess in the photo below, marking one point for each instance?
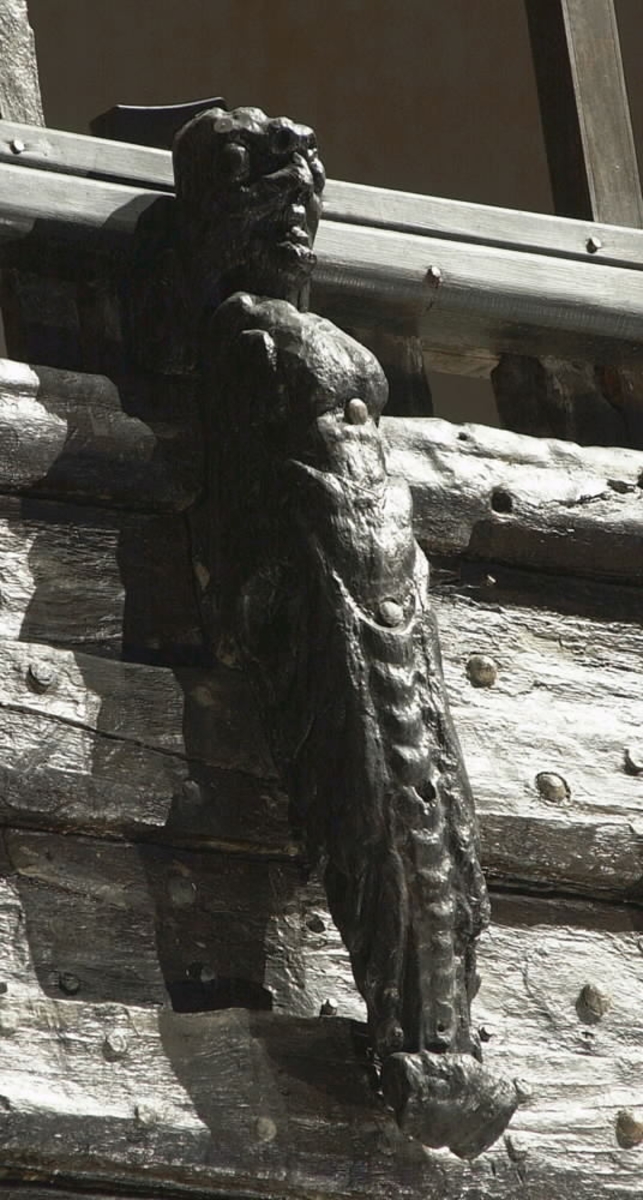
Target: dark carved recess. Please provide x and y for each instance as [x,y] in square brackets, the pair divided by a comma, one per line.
[321,590]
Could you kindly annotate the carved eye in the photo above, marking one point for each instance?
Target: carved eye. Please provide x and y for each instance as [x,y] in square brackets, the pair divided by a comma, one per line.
[284,139]
[235,161]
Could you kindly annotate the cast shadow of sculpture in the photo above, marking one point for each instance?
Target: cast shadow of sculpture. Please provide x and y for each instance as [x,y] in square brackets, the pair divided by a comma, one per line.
[126,922]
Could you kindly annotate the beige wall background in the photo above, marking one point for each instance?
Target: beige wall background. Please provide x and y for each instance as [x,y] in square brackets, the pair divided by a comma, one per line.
[433,96]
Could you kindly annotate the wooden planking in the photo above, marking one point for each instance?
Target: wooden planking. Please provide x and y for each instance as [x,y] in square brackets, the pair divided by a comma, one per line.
[585,110]
[144,752]
[68,435]
[536,502]
[143,924]
[124,749]
[113,583]
[353,203]
[271,1104]
[566,702]
[487,297]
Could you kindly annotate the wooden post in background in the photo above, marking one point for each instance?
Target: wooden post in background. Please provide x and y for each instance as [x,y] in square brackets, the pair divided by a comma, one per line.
[594,176]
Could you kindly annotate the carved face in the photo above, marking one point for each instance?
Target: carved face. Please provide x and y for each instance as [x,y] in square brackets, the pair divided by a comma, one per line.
[250,191]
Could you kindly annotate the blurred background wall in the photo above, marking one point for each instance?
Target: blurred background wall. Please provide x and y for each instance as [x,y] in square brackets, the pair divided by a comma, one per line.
[433,96]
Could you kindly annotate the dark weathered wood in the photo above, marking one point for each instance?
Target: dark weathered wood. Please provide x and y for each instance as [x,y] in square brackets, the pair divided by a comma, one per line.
[484,298]
[19,87]
[261,1104]
[585,110]
[351,203]
[90,579]
[139,751]
[154,125]
[79,437]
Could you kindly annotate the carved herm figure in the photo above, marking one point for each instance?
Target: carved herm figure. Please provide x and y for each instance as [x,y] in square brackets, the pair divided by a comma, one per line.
[319,581]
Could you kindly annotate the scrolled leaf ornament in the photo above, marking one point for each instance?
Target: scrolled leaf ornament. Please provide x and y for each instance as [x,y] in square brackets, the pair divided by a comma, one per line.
[321,584]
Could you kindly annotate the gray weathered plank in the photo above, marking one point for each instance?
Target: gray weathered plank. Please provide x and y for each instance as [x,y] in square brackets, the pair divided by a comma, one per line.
[352,203]
[68,435]
[262,1104]
[487,297]
[129,750]
[536,502]
[147,752]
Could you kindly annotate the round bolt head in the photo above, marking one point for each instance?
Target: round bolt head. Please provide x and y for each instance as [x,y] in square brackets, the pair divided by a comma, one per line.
[115,1046]
[328,1008]
[68,983]
[485,1033]
[592,1004]
[266,1129]
[434,276]
[634,760]
[182,891]
[552,787]
[356,412]
[594,244]
[481,670]
[41,676]
[17,146]
[391,613]
[629,1129]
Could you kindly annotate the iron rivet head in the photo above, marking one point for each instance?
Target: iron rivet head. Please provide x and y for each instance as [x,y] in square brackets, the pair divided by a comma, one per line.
[266,1129]
[594,244]
[115,1046]
[68,983]
[391,613]
[485,1033]
[592,1004]
[143,1114]
[41,676]
[633,756]
[328,1008]
[434,276]
[17,146]
[182,891]
[552,788]
[481,670]
[629,1129]
[356,412]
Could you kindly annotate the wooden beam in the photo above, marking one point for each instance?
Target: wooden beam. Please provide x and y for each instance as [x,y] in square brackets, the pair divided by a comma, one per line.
[585,110]
[65,435]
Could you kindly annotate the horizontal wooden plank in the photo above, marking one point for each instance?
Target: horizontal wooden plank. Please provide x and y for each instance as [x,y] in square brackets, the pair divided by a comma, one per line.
[257,1103]
[485,298]
[537,502]
[352,203]
[98,580]
[552,747]
[139,751]
[68,435]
